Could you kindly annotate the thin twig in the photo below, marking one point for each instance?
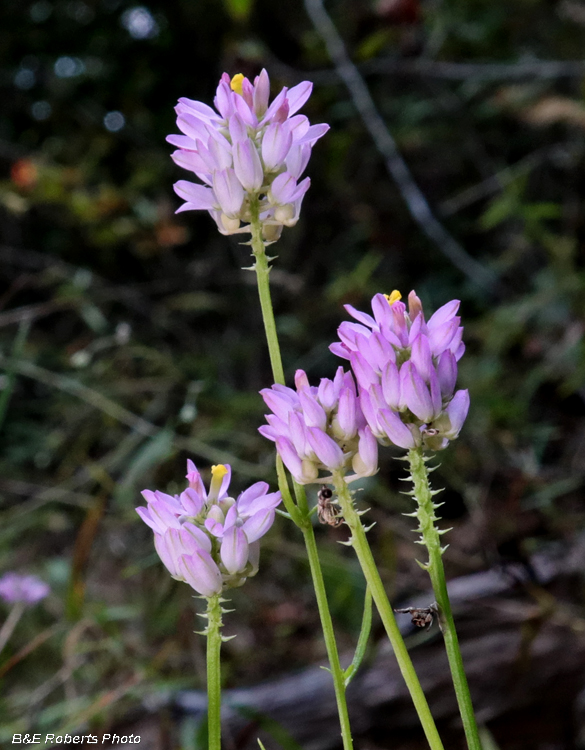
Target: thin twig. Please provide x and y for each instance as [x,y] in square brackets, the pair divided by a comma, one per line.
[464,71]
[443,70]
[494,183]
[386,145]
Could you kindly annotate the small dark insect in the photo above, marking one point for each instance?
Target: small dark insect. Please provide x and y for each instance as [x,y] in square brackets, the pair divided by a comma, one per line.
[422,617]
[326,510]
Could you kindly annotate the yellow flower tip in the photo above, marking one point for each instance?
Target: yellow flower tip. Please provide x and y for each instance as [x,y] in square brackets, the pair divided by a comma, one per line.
[219,471]
[236,83]
[394,297]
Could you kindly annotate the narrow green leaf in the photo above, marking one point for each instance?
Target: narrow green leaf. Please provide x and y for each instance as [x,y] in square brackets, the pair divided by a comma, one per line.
[362,643]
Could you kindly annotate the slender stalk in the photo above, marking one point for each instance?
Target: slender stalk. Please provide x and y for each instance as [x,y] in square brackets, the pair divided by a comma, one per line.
[376,586]
[430,537]
[300,513]
[11,622]
[212,631]
[262,276]
[337,672]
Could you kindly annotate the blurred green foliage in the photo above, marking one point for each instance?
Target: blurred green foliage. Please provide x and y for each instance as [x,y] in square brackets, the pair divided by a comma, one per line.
[131,338]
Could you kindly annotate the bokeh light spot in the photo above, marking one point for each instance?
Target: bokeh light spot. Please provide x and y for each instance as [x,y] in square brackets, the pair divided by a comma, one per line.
[68,67]
[41,110]
[114,121]
[139,23]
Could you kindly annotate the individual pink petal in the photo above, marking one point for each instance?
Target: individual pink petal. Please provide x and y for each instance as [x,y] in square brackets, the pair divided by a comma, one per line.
[197,195]
[443,314]
[201,573]
[234,550]
[363,317]
[182,142]
[396,431]
[325,448]
[313,413]
[421,357]
[200,109]
[276,144]
[365,462]
[154,523]
[415,394]
[314,133]
[192,127]
[261,93]
[298,95]
[258,524]
[247,497]
[247,165]
[228,192]
[457,413]
[191,501]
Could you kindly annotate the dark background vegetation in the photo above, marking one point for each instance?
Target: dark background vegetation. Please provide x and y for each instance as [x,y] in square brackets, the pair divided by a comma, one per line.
[131,339]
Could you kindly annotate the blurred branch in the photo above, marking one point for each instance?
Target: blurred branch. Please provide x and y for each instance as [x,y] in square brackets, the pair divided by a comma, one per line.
[413,196]
[444,70]
[501,179]
[456,71]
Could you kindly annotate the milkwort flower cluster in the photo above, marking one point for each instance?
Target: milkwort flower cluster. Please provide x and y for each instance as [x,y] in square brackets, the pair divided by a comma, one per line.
[406,369]
[208,539]
[28,589]
[248,154]
[320,428]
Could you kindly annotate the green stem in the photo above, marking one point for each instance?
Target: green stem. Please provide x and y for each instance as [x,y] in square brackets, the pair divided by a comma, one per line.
[212,631]
[300,512]
[376,586]
[431,538]
[262,275]
[337,672]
